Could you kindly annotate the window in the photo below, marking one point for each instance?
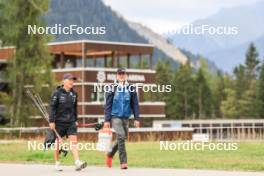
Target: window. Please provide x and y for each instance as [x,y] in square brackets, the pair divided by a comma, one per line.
[97,96]
[89,62]
[69,64]
[79,62]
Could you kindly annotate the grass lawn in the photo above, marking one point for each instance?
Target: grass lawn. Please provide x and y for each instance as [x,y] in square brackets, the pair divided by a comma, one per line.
[248,157]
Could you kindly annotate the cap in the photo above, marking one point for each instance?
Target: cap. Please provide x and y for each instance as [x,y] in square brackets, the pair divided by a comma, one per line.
[69,76]
[121,70]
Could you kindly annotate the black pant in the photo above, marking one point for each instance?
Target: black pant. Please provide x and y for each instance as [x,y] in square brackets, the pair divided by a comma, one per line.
[66,129]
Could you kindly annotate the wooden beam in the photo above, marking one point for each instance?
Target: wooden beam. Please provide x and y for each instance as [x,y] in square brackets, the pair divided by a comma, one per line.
[62,63]
[141,60]
[128,60]
[84,51]
[105,61]
[94,61]
[118,60]
[101,53]
[151,61]
[6,53]
[113,59]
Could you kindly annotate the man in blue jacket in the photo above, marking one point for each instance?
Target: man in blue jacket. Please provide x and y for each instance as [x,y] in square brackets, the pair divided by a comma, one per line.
[121,101]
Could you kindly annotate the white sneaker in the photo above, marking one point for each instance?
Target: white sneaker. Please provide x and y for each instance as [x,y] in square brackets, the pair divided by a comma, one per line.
[58,166]
[79,165]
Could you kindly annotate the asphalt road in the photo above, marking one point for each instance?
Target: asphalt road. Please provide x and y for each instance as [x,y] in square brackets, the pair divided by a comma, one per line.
[48,170]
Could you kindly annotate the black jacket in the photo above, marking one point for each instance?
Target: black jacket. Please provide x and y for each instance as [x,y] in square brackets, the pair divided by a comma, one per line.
[63,106]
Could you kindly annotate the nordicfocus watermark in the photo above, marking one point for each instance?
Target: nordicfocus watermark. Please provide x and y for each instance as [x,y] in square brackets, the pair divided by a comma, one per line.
[58,29]
[34,146]
[100,87]
[207,29]
[198,146]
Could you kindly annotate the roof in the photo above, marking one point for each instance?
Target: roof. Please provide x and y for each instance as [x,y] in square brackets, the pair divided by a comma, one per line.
[101,42]
[90,48]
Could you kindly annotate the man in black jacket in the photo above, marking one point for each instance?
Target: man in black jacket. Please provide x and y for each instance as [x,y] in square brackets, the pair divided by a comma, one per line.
[63,118]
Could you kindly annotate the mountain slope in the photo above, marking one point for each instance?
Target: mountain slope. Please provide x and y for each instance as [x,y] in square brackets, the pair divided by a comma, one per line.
[160,42]
[228,58]
[197,44]
[248,19]
[90,13]
[226,50]
[95,13]
[178,55]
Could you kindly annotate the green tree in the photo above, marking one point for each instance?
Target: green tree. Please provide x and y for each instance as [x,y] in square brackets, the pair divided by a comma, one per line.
[229,106]
[246,82]
[164,77]
[247,103]
[251,62]
[260,92]
[241,82]
[31,62]
[183,94]
[218,92]
[203,95]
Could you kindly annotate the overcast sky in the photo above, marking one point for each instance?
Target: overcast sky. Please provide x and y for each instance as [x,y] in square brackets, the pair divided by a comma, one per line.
[166,15]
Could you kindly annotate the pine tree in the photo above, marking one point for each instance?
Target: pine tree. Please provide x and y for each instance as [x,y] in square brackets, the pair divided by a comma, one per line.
[247,103]
[183,96]
[241,82]
[251,62]
[218,93]
[204,96]
[164,77]
[245,84]
[260,93]
[31,63]
[229,106]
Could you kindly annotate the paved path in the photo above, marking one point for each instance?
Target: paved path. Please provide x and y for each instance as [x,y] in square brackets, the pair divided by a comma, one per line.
[48,170]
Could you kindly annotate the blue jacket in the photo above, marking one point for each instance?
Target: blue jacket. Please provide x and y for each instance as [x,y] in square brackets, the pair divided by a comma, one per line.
[121,102]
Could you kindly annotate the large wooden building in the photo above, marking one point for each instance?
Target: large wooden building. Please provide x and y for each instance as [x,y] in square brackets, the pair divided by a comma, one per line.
[96,62]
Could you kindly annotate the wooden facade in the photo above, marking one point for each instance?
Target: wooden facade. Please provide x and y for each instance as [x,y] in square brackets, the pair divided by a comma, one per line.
[95,62]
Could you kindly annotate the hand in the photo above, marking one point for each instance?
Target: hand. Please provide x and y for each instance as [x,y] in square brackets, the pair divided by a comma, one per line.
[106,124]
[137,123]
[76,123]
[52,126]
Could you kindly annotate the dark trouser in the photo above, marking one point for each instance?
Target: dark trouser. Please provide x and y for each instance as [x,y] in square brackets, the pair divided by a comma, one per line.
[66,129]
[121,129]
